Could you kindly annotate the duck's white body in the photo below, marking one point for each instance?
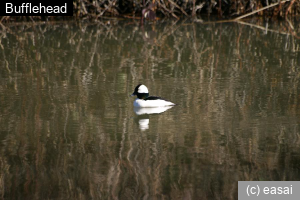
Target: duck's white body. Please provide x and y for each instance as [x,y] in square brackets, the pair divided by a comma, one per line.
[143,99]
[150,110]
[141,103]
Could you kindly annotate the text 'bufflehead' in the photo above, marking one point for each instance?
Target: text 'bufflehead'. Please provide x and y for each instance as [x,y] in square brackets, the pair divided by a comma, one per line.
[143,99]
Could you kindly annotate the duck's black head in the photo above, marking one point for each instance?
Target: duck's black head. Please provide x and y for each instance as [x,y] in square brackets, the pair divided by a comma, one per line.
[141,91]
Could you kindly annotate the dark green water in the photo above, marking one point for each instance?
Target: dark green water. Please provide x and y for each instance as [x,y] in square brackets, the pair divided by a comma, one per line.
[69,129]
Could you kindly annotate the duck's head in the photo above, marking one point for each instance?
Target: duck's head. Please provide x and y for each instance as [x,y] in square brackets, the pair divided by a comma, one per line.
[141,91]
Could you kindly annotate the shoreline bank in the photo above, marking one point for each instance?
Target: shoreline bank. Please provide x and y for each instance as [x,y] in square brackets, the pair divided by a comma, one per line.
[132,9]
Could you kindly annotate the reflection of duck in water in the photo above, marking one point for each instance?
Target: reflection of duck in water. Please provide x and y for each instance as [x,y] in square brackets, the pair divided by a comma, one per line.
[144,114]
[149,35]
[143,122]
[143,99]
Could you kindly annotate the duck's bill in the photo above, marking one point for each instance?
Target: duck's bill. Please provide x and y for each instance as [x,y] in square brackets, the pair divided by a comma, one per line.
[132,94]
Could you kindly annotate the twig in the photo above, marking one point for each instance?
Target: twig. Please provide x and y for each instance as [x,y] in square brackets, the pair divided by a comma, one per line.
[290,24]
[109,8]
[289,8]
[170,12]
[256,11]
[291,29]
[32,19]
[2,26]
[172,2]
[174,16]
[4,18]
[194,8]
[83,7]
[200,6]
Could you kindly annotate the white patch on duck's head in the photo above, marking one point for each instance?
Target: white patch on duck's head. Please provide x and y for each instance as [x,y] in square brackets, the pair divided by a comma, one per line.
[142,89]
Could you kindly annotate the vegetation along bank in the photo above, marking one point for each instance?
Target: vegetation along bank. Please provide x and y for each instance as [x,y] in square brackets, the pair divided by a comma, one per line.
[158,9]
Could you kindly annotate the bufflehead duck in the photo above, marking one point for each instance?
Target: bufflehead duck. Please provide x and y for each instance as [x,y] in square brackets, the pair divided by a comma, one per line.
[148,12]
[143,99]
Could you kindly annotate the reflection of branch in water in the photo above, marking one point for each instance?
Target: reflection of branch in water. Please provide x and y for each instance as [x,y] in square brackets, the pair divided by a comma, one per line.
[292,29]
[94,49]
[157,40]
[169,30]
[262,28]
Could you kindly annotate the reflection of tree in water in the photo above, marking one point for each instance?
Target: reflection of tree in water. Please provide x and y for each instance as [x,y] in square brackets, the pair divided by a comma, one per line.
[64,134]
